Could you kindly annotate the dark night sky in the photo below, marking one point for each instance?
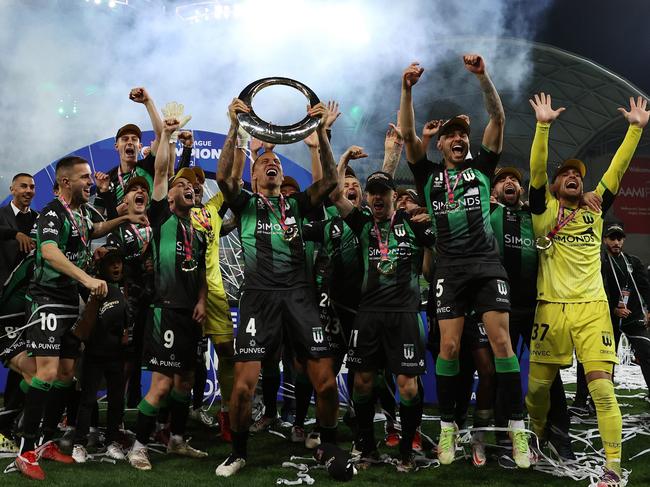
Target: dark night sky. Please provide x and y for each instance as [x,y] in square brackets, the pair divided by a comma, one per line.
[615,34]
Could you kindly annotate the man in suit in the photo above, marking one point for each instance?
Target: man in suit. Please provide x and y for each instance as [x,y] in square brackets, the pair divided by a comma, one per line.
[16,221]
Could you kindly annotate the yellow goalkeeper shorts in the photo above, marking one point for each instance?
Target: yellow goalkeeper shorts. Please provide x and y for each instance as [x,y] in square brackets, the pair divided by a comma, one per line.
[561,327]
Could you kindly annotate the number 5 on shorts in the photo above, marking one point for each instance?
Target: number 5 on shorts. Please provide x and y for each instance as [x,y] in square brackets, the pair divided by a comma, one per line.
[250,327]
[439,287]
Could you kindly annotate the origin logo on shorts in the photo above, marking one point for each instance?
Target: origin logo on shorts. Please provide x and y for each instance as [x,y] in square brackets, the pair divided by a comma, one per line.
[607,339]
[317,334]
[502,288]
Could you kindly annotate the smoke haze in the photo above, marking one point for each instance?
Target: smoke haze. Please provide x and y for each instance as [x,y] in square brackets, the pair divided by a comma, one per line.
[67,66]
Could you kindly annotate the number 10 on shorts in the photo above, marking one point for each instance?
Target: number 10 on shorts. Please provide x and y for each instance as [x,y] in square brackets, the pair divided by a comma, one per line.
[48,321]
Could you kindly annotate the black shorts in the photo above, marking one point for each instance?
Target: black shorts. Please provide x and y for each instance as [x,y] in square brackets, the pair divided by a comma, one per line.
[337,321]
[269,318]
[12,338]
[387,340]
[51,324]
[459,289]
[171,340]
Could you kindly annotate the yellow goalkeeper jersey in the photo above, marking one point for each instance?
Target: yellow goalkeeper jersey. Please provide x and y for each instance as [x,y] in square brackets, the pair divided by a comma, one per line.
[208,221]
[569,271]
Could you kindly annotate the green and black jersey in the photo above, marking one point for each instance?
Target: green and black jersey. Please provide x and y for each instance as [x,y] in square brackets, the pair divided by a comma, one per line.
[463,231]
[340,246]
[108,201]
[176,284]
[513,228]
[270,261]
[54,225]
[133,240]
[15,287]
[399,291]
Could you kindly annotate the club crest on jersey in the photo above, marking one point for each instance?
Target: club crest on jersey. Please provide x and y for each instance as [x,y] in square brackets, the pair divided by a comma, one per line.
[588,219]
[409,351]
[317,334]
[469,175]
[400,231]
[502,287]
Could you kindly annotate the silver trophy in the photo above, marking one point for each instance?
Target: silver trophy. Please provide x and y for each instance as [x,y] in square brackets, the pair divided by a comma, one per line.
[277,134]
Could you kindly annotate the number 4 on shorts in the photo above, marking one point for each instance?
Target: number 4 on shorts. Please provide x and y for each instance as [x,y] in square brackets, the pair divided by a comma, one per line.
[250,327]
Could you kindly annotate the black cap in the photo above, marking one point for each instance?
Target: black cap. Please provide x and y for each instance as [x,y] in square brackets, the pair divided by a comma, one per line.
[349,172]
[129,128]
[410,192]
[137,181]
[454,123]
[576,164]
[337,461]
[502,172]
[380,181]
[614,228]
[106,253]
[289,181]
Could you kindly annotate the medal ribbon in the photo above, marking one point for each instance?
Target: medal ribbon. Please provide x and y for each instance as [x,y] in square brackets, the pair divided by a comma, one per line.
[83,236]
[143,241]
[187,242]
[450,190]
[119,176]
[383,246]
[283,215]
[561,222]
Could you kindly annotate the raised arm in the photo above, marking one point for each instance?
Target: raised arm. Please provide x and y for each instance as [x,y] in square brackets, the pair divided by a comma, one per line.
[637,117]
[319,190]
[545,115]
[337,196]
[311,141]
[161,169]
[227,179]
[187,140]
[429,131]
[393,143]
[140,95]
[413,144]
[493,134]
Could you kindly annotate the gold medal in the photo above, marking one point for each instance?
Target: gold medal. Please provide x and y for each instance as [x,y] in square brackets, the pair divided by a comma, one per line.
[543,243]
[386,267]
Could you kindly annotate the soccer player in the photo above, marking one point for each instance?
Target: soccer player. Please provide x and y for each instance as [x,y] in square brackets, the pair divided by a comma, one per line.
[128,143]
[277,300]
[63,235]
[469,274]
[572,309]
[218,326]
[13,353]
[178,309]
[387,330]
[513,227]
